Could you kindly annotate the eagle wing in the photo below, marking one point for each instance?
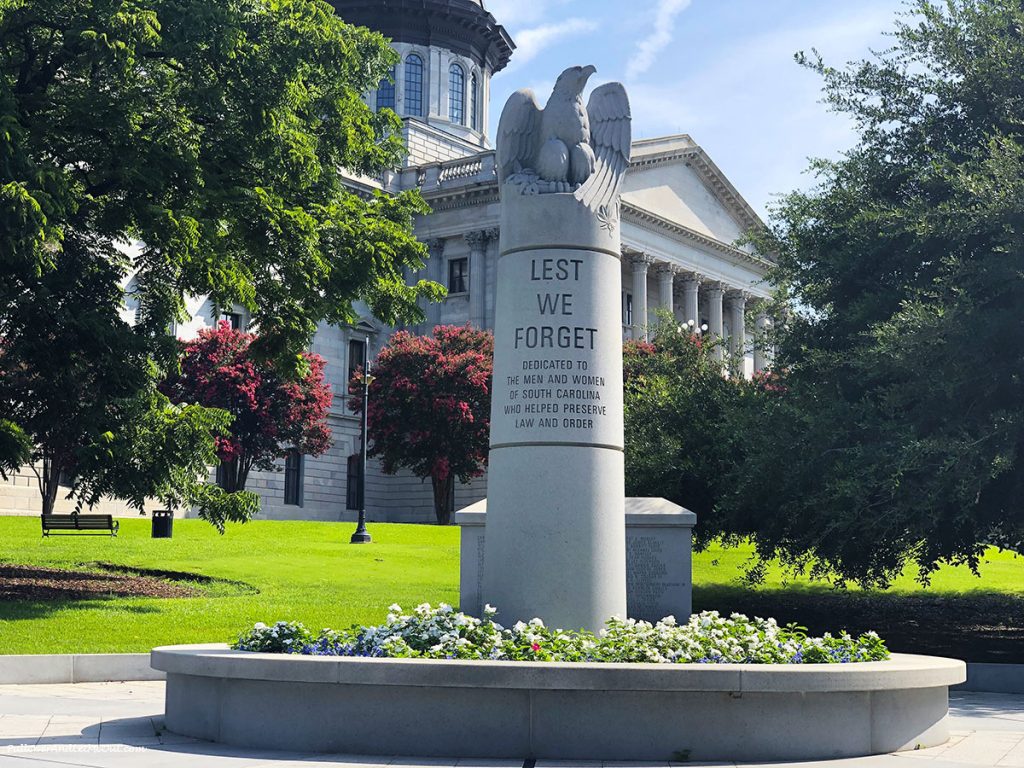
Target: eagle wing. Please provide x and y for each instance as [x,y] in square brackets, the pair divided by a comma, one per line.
[518,134]
[611,137]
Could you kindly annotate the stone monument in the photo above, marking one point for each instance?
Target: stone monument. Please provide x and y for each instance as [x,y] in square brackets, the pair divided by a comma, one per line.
[659,558]
[555,545]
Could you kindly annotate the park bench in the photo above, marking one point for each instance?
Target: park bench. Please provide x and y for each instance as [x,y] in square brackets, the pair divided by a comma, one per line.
[66,525]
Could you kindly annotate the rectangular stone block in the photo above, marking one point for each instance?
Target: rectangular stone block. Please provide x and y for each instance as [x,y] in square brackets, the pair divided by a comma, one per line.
[35,669]
[107,667]
[659,559]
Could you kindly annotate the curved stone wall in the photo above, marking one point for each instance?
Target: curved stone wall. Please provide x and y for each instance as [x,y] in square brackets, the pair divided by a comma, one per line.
[556,711]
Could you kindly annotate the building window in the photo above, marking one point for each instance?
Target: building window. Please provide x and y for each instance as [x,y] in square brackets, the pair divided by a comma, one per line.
[458,270]
[456,94]
[474,103]
[386,92]
[414,85]
[234,319]
[627,309]
[293,478]
[356,353]
[353,482]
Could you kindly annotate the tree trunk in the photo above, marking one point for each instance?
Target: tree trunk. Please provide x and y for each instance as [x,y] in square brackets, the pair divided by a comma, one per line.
[442,489]
[244,467]
[49,483]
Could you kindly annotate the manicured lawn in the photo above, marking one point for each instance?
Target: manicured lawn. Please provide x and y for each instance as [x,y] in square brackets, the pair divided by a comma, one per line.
[309,572]
[303,571]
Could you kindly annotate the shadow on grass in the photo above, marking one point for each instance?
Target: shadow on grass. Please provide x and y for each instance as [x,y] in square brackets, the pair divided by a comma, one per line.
[41,609]
[31,592]
[975,626]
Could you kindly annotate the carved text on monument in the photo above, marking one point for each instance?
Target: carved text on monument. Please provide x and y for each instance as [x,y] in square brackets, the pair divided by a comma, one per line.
[566,391]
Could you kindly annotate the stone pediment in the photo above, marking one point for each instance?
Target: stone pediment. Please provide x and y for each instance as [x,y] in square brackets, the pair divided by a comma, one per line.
[674,179]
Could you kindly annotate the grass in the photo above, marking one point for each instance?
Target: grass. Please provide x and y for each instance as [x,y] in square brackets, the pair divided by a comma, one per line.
[304,571]
[309,572]
[1000,572]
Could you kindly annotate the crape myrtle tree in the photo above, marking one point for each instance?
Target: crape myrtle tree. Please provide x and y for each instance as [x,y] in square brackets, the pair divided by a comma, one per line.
[272,413]
[430,407]
[212,134]
[897,435]
[679,409]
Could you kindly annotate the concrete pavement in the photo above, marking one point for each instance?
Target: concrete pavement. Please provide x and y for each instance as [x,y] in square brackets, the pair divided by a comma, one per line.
[120,725]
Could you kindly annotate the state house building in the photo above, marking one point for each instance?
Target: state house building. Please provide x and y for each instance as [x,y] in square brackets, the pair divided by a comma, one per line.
[680,220]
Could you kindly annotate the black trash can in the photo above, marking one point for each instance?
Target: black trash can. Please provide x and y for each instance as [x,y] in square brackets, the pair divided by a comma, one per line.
[163,524]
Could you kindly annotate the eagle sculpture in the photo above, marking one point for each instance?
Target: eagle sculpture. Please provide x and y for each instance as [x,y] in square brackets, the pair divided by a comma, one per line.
[567,147]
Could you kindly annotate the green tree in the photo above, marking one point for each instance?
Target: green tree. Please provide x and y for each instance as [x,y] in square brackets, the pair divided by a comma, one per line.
[162,451]
[67,363]
[898,434]
[678,406]
[213,134]
[15,448]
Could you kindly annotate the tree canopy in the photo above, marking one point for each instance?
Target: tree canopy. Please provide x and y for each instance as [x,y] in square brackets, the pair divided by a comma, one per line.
[430,406]
[172,148]
[213,132]
[899,430]
[679,409]
[271,414]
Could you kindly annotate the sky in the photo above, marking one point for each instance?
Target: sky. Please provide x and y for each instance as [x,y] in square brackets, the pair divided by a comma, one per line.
[721,71]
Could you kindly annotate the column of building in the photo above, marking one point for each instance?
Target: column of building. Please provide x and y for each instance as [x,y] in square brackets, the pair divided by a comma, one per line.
[690,285]
[640,263]
[666,288]
[737,303]
[716,325]
[477,277]
[762,326]
[723,302]
[435,273]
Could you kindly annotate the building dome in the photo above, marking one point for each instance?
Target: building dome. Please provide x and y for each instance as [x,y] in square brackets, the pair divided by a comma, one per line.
[463,26]
[449,50]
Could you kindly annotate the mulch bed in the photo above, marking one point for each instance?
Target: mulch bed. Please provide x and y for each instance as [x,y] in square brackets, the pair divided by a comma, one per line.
[29,582]
[973,627]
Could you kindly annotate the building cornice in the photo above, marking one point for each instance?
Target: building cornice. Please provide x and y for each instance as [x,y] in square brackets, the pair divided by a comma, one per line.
[653,222]
[462,26]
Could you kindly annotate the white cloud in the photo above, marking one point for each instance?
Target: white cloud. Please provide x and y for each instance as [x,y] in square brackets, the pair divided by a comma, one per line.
[532,42]
[648,49]
[753,109]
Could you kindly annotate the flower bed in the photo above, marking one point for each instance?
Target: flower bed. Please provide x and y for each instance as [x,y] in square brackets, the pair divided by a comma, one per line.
[444,633]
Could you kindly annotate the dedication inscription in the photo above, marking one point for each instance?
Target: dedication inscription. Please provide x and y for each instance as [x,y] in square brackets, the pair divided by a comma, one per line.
[558,362]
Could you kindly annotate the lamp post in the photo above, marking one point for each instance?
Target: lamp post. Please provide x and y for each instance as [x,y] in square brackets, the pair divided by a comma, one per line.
[361,535]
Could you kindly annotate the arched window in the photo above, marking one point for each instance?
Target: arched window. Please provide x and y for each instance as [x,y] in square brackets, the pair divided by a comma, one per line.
[414,85]
[474,103]
[386,92]
[456,94]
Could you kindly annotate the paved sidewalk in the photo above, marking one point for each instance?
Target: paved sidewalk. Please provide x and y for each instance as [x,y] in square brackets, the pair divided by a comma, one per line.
[120,725]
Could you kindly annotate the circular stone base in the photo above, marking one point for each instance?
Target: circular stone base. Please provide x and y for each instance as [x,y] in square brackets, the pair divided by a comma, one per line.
[493,709]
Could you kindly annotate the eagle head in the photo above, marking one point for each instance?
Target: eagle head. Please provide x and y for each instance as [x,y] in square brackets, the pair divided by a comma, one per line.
[573,80]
